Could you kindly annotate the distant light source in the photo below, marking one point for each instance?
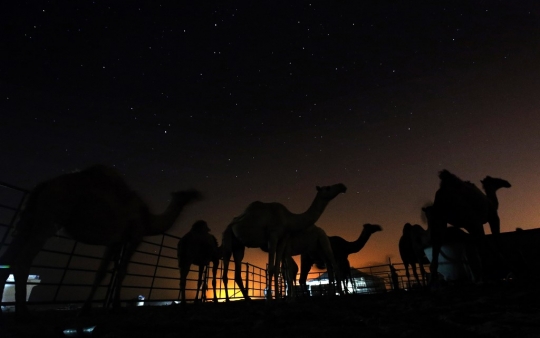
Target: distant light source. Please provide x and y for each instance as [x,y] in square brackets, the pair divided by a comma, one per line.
[85,331]
[5,266]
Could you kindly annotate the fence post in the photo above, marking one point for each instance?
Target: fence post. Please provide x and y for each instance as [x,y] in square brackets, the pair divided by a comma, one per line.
[156,267]
[15,214]
[65,271]
[247,278]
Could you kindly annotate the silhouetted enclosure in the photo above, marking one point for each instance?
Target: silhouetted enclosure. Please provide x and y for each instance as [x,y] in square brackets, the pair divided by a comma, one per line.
[64,270]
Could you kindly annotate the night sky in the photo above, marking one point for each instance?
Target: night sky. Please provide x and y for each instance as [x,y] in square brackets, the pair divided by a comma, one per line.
[260,100]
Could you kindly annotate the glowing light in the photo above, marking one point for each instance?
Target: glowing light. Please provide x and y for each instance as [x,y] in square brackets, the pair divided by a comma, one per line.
[75,332]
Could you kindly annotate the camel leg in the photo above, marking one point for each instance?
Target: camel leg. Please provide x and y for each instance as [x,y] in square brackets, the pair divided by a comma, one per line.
[473,250]
[277,260]
[21,253]
[6,267]
[423,273]
[184,270]
[238,256]
[305,266]
[290,270]
[495,224]
[334,273]
[415,273]
[437,234]
[434,266]
[345,276]
[129,250]
[224,274]
[199,283]
[110,252]
[215,266]
[238,276]
[272,247]
[407,274]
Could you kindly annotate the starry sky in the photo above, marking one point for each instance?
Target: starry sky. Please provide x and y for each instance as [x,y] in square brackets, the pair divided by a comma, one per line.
[265,101]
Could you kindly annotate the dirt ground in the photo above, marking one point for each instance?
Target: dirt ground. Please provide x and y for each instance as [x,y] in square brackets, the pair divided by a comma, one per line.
[508,309]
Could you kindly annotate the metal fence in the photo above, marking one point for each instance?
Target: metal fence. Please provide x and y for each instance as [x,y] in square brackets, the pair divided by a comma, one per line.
[64,270]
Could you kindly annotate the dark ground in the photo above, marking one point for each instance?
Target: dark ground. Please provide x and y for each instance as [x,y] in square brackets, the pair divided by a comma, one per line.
[503,310]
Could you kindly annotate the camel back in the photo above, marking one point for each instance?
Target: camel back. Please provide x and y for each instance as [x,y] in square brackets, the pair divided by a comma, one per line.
[458,192]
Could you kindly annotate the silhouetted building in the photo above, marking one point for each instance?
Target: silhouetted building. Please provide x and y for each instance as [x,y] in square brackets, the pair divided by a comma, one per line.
[361,283]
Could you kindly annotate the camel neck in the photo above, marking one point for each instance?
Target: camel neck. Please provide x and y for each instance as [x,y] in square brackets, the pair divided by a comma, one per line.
[360,242]
[161,223]
[491,194]
[310,216]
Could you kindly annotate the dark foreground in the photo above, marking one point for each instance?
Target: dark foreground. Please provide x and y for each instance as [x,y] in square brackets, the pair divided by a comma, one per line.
[506,310]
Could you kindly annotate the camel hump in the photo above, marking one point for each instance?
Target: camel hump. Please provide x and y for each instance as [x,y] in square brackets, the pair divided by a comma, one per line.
[97,183]
[449,179]
[200,226]
[407,229]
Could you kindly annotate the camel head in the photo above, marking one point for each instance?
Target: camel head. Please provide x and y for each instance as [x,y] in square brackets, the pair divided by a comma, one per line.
[158,224]
[200,226]
[330,192]
[186,196]
[494,183]
[372,228]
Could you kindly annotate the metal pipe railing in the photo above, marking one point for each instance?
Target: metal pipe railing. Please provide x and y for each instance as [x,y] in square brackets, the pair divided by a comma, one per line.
[165,282]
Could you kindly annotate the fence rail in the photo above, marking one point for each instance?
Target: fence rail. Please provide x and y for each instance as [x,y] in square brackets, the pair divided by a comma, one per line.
[65,270]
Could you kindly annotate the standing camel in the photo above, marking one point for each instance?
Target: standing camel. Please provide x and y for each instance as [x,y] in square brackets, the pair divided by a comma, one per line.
[93,206]
[462,205]
[265,225]
[200,248]
[341,249]
[312,242]
[411,250]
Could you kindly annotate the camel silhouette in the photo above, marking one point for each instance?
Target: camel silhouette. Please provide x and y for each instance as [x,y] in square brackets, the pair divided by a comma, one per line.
[461,204]
[490,186]
[200,248]
[93,206]
[341,250]
[411,250]
[312,242]
[265,225]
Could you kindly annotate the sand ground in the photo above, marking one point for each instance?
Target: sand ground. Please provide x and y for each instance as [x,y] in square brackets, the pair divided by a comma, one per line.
[507,309]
